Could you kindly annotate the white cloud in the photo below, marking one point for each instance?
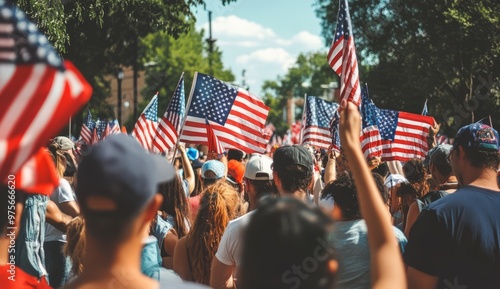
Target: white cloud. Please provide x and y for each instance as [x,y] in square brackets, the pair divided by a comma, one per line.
[235,27]
[258,50]
[307,41]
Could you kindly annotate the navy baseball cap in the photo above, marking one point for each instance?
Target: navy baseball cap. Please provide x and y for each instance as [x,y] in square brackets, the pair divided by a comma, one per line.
[477,135]
[118,177]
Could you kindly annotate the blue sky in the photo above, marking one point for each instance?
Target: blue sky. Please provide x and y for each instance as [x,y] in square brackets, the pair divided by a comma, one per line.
[262,37]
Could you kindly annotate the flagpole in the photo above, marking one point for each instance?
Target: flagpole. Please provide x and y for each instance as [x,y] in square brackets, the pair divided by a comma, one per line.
[425,105]
[188,104]
[302,118]
[69,128]
[491,123]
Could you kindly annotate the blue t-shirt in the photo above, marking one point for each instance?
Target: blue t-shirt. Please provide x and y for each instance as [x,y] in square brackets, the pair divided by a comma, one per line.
[350,241]
[457,238]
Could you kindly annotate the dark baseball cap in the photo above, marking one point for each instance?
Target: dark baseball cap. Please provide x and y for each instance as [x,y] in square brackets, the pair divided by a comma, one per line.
[477,135]
[118,177]
[438,155]
[288,157]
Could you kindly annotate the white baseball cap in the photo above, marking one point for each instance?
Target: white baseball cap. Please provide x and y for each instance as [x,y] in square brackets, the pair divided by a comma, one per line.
[259,168]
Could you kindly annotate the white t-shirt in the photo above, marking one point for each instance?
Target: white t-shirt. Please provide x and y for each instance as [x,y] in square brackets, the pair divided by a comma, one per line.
[62,194]
[230,246]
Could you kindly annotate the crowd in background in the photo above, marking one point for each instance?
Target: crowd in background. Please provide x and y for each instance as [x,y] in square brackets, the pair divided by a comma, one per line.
[294,217]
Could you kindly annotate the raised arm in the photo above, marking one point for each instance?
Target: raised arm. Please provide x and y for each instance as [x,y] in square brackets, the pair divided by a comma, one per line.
[187,168]
[387,270]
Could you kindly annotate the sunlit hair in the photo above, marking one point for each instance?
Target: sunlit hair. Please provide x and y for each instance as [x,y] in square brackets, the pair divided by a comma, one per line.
[176,205]
[416,175]
[75,244]
[217,207]
[58,158]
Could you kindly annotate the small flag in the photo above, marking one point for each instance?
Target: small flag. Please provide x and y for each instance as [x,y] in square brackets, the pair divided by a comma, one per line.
[87,128]
[145,127]
[371,142]
[170,124]
[318,114]
[237,117]
[342,56]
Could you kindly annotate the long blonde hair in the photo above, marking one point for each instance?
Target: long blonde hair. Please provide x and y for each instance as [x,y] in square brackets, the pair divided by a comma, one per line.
[218,206]
[75,245]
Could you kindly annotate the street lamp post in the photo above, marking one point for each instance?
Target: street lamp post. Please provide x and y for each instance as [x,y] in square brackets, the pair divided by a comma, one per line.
[119,77]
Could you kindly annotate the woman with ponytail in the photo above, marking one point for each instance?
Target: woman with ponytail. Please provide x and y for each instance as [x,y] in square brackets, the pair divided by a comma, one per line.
[59,266]
[195,251]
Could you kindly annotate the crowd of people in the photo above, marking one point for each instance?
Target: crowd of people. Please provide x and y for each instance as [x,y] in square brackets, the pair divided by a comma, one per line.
[295,217]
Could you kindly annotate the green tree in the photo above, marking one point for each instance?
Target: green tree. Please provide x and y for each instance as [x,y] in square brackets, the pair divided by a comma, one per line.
[444,51]
[170,57]
[306,76]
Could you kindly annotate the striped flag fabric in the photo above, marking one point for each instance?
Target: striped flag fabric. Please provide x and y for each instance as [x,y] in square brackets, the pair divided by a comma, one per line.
[170,124]
[371,142]
[114,127]
[237,117]
[87,128]
[38,93]
[342,56]
[145,127]
[214,144]
[403,134]
[316,129]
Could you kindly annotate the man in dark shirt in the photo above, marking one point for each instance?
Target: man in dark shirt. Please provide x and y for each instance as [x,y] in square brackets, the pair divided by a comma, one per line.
[455,242]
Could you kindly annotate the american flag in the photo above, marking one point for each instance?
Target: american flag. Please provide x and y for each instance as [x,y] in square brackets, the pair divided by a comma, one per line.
[87,128]
[371,143]
[425,111]
[101,125]
[114,127]
[318,113]
[403,134]
[145,127]
[342,56]
[214,144]
[237,117]
[38,93]
[170,124]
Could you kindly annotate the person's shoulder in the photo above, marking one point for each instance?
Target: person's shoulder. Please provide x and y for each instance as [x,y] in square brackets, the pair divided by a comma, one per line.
[239,222]
[399,234]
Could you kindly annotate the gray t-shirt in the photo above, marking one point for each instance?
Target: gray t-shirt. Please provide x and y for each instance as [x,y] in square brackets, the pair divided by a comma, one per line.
[350,241]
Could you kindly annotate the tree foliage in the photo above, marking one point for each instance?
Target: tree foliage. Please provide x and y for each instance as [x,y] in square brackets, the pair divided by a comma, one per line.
[444,51]
[170,57]
[306,76]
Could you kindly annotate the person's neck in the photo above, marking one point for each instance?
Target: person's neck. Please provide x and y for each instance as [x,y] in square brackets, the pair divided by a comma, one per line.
[105,261]
[483,178]
[301,195]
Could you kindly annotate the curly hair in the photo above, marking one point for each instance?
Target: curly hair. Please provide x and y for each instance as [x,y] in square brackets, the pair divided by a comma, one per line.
[75,244]
[416,175]
[175,204]
[218,206]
